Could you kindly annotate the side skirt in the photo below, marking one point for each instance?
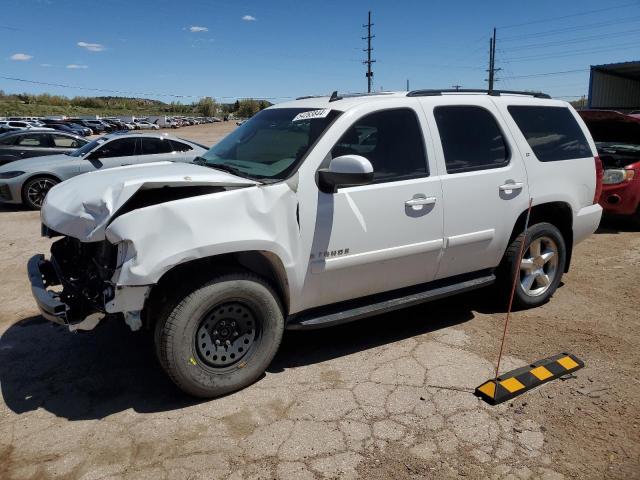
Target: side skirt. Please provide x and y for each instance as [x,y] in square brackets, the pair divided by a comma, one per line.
[351,310]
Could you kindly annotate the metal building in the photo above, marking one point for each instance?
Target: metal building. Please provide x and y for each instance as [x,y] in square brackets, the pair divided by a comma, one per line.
[615,86]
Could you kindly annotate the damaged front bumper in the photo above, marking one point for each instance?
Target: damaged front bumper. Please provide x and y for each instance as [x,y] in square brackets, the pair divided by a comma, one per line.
[43,277]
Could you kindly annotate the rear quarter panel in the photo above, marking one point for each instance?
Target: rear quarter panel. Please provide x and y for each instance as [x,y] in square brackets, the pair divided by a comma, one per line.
[570,181]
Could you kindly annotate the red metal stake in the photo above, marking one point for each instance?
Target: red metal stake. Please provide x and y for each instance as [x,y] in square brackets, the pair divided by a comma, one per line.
[516,274]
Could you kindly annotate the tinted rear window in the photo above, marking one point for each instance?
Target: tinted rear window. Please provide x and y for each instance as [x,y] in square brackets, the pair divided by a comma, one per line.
[552,132]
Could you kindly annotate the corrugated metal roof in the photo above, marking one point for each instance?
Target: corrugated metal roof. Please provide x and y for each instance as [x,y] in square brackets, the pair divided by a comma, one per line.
[627,69]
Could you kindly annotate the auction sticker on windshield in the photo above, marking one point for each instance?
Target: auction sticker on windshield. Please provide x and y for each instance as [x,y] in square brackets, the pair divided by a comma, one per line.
[311,114]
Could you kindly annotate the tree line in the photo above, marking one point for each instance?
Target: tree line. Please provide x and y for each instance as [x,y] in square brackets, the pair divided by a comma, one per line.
[47,104]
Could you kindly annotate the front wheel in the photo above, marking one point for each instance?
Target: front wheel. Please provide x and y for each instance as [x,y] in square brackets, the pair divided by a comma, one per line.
[222,336]
[539,271]
[35,189]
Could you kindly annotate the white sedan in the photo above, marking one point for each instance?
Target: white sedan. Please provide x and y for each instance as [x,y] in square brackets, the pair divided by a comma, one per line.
[143,125]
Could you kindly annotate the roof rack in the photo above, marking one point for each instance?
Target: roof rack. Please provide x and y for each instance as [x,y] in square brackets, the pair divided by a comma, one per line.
[496,93]
[339,96]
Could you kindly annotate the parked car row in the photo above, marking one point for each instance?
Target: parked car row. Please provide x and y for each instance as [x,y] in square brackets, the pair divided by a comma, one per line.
[60,156]
[85,127]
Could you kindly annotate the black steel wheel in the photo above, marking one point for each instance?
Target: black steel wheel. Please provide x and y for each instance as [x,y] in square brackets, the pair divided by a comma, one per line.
[227,334]
[221,336]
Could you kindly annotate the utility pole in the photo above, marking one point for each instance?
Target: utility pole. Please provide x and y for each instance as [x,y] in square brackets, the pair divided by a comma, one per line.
[492,61]
[457,87]
[407,84]
[368,61]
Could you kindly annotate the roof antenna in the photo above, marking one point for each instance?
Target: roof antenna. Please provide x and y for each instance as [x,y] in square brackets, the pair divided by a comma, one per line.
[334,96]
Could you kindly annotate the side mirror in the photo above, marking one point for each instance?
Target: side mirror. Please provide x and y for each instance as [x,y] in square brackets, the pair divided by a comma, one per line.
[345,171]
[95,155]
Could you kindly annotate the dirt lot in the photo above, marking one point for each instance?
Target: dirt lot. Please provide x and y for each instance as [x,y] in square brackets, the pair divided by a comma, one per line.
[387,397]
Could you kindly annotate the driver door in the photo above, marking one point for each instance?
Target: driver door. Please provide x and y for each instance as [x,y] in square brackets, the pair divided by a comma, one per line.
[388,234]
[116,153]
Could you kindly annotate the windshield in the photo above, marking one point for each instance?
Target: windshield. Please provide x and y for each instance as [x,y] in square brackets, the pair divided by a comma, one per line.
[86,148]
[270,144]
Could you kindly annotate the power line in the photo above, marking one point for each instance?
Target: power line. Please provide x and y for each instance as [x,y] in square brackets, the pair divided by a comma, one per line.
[573,40]
[123,92]
[588,12]
[368,61]
[548,74]
[621,46]
[558,31]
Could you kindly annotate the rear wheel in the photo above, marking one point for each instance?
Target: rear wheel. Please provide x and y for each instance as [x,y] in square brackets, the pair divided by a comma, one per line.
[35,189]
[539,271]
[222,336]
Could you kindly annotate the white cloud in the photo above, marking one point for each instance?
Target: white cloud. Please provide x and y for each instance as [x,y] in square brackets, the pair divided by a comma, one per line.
[249,18]
[196,29]
[21,57]
[75,66]
[92,47]
[46,65]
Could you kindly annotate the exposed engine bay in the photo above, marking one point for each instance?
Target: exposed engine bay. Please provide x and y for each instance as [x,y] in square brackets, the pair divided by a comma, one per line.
[84,271]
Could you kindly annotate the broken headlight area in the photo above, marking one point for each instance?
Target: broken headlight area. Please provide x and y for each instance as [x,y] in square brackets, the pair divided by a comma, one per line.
[84,271]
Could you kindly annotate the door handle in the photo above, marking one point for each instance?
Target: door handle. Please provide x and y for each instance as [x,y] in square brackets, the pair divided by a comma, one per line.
[415,202]
[511,186]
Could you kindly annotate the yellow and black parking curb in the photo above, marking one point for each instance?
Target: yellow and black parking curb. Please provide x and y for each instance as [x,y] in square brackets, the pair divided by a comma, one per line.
[512,384]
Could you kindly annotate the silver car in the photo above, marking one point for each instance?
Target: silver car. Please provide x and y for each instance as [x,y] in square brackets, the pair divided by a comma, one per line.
[28,181]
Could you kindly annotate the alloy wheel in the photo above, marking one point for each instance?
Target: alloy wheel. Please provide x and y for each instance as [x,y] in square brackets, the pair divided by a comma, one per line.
[539,266]
[38,189]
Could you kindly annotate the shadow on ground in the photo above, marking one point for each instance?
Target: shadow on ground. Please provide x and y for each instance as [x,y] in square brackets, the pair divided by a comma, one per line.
[617,225]
[92,375]
[10,207]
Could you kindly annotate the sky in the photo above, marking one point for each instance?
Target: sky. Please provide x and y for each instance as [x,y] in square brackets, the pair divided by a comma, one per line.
[277,49]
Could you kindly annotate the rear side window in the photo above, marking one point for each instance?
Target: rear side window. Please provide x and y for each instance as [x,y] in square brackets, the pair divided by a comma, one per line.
[34,140]
[62,141]
[179,146]
[552,132]
[391,140]
[152,146]
[471,138]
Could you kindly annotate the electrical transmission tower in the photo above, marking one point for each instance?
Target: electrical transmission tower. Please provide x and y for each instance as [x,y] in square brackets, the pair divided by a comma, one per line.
[492,61]
[368,61]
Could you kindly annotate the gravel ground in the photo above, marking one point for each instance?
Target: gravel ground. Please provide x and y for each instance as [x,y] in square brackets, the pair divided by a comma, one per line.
[386,397]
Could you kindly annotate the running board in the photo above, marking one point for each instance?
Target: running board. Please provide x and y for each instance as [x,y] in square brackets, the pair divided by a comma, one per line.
[375,305]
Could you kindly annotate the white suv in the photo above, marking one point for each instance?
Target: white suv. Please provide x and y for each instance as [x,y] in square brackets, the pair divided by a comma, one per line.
[317,212]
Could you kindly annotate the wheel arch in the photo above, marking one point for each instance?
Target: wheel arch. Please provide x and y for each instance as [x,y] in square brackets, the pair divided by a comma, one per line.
[262,263]
[558,214]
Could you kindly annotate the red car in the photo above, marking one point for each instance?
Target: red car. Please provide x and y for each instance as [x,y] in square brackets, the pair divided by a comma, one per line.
[617,138]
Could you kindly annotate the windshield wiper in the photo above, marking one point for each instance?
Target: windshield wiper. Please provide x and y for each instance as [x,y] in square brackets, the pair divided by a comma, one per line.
[218,166]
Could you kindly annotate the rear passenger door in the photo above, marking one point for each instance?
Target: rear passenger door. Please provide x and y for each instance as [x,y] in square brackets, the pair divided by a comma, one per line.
[484,182]
[158,150]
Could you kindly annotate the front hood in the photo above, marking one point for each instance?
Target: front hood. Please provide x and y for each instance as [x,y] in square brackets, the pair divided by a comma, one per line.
[83,206]
[33,164]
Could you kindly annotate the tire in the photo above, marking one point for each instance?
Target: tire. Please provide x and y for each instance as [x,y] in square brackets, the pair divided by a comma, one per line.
[538,275]
[240,307]
[35,189]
